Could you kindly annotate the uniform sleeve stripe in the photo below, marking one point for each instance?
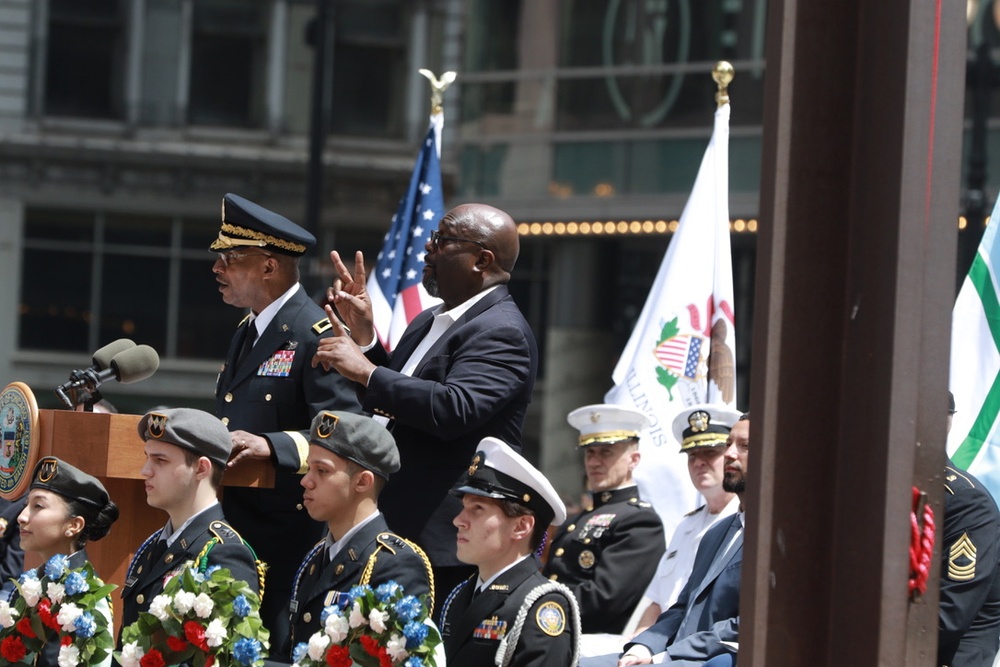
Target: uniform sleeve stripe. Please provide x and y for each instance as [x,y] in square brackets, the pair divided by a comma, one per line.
[303,446]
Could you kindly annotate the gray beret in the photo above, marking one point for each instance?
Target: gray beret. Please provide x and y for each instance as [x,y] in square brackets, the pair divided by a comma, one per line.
[356,438]
[70,482]
[194,430]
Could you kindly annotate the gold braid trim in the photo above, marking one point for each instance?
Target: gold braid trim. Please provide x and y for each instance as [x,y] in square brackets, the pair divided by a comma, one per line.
[366,574]
[607,437]
[260,236]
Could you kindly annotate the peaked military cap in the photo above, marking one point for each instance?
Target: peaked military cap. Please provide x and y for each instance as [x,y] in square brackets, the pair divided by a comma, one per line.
[497,471]
[704,425]
[356,438]
[194,430]
[56,475]
[605,424]
[245,223]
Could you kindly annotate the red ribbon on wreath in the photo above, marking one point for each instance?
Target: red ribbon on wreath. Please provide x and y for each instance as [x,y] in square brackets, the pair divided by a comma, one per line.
[921,542]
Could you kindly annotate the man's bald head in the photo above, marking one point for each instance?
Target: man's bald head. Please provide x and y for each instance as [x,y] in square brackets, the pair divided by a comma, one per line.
[493,228]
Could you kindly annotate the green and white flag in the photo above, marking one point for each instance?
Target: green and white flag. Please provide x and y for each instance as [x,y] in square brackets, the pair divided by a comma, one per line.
[974,441]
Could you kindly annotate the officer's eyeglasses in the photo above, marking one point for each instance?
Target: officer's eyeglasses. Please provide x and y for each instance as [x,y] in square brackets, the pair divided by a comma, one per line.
[437,237]
[232,257]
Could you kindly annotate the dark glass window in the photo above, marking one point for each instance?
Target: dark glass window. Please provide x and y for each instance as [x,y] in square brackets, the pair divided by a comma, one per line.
[85,59]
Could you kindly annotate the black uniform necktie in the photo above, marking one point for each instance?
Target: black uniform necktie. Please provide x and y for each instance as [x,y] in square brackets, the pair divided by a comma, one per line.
[249,336]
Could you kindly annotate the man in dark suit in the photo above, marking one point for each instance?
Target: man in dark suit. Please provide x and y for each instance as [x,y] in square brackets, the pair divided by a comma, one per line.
[268,392]
[507,613]
[462,371]
[350,459]
[707,611]
[186,454]
[969,613]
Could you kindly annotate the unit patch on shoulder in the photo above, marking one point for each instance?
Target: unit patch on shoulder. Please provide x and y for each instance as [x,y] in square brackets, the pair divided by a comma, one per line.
[551,618]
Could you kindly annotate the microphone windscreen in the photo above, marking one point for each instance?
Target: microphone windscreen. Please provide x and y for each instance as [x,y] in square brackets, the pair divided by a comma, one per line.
[102,358]
[136,363]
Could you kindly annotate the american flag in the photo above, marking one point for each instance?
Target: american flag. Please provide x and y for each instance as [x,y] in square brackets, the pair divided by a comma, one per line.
[394,286]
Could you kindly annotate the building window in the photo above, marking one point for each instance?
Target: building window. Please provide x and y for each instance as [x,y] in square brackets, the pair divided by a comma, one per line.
[228,63]
[89,278]
[85,59]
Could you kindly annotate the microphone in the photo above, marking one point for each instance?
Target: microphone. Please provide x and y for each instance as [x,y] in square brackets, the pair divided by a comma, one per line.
[102,358]
[132,364]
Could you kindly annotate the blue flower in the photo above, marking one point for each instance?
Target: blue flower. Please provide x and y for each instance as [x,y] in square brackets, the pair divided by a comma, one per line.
[211,569]
[415,634]
[25,576]
[359,591]
[56,567]
[414,661]
[325,614]
[241,606]
[299,652]
[85,625]
[76,583]
[408,608]
[246,651]
[387,590]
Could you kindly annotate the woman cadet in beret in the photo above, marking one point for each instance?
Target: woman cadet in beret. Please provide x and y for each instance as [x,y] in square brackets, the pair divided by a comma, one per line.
[66,508]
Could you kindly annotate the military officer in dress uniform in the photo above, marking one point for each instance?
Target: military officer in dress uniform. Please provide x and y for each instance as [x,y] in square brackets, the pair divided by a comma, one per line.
[508,613]
[969,615]
[608,554]
[350,460]
[186,454]
[268,392]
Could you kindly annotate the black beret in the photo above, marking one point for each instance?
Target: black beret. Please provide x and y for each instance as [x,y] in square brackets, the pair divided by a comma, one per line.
[194,430]
[245,223]
[356,438]
[70,482]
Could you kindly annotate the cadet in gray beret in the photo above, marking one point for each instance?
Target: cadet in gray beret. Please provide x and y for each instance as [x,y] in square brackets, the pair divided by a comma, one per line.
[186,452]
[350,460]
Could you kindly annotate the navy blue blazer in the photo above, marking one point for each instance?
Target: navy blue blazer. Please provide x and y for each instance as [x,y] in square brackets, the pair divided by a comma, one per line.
[475,381]
[708,608]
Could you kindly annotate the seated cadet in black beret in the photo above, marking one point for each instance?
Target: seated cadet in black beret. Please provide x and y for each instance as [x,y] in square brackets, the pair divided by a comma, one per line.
[186,453]
[350,460]
[507,507]
[268,392]
[66,508]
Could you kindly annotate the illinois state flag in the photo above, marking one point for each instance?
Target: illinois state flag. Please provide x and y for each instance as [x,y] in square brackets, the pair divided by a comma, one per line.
[395,285]
[974,443]
[682,349]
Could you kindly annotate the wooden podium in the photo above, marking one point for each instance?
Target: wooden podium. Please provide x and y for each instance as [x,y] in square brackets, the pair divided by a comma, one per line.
[109,447]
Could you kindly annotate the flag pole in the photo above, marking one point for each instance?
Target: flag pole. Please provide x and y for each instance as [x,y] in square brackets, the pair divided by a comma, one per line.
[722,74]
[438,86]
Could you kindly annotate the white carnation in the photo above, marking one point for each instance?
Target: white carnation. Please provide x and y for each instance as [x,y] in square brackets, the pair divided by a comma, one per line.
[396,648]
[203,605]
[31,591]
[317,646]
[377,619]
[68,613]
[336,628]
[215,633]
[131,654]
[160,607]
[357,618]
[69,656]
[56,592]
[183,602]
[7,615]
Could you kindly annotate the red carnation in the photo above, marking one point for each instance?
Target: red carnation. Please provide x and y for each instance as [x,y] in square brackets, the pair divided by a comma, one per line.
[152,659]
[209,660]
[66,640]
[196,635]
[370,645]
[339,656]
[383,658]
[24,627]
[176,644]
[12,649]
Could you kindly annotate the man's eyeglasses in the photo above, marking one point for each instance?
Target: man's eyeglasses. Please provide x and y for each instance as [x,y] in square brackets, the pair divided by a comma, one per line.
[437,237]
[232,257]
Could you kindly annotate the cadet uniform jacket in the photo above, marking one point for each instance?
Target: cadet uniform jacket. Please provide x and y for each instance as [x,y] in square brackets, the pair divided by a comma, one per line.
[276,392]
[969,623]
[320,580]
[147,575]
[607,557]
[472,629]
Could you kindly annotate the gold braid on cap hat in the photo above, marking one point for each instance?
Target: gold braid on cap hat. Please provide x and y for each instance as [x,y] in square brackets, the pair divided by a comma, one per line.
[252,237]
[704,439]
[609,437]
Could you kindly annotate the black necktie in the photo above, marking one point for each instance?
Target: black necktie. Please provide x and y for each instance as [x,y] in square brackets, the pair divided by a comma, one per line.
[157,553]
[249,336]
